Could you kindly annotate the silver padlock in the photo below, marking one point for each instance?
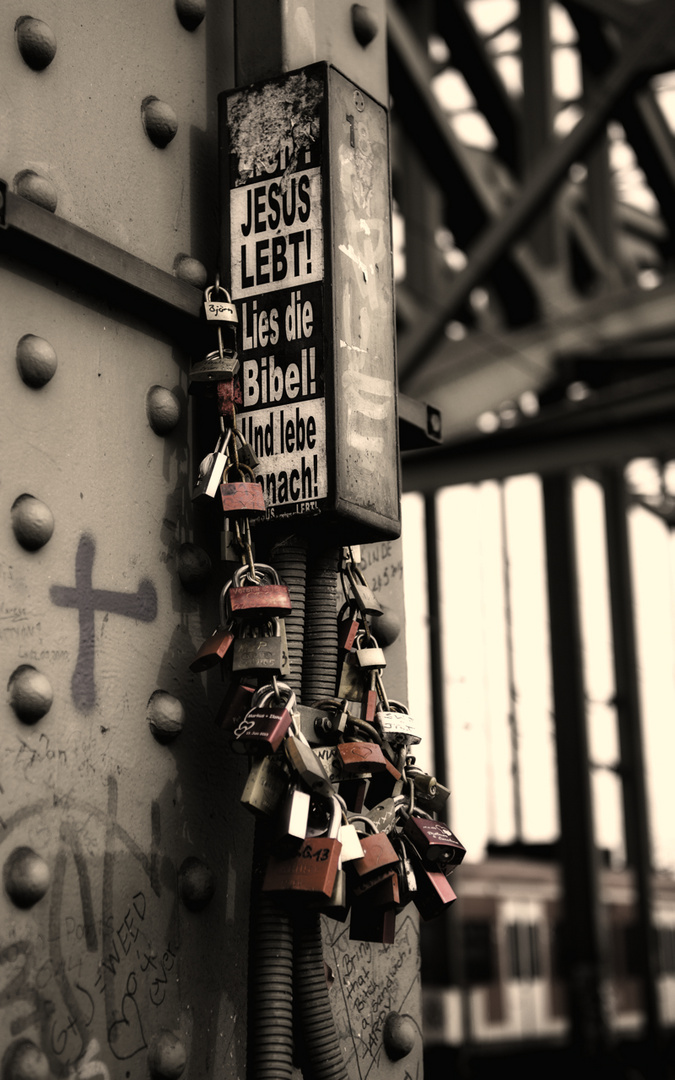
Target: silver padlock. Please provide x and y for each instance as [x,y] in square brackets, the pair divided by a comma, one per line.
[211,470]
[253,652]
[396,725]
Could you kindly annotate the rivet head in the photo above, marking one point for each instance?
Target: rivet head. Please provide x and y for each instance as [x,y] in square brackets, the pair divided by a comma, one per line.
[399,1035]
[159,120]
[191,270]
[165,716]
[364,24]
[37,189]
[36,360]
[197,883]
[26,877]
[194,567]
[387,626]
[25,1061]
[166,1056]
[163,409]
[32,522]
[190,12]
[36,41]
[30,693]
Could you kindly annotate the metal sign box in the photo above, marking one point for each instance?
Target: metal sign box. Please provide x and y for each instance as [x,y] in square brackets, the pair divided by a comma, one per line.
[307,247]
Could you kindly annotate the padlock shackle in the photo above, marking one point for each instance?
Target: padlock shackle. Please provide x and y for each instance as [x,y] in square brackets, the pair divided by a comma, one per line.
[366,820]
[366,728]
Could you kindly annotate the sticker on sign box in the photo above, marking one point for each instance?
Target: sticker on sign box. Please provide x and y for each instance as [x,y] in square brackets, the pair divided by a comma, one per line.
[277,236]
[291,444]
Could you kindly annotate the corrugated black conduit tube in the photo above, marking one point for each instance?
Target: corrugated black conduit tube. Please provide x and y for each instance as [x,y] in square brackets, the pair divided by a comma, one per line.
[320,1051]
[270,1007]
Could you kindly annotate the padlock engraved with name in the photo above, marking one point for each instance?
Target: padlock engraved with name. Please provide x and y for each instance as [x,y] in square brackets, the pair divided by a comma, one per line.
[434,841]
[262,729]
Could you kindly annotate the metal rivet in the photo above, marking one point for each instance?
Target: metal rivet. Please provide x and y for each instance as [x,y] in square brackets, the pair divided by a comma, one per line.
[190,12]
[197,883]
[36,41]
[399,1035]
[160,121]
[32,521]
[26,877]
[30,693]
[165,715]
[166,1057]
[364,24]
[191,270]
[194,567]
[38,189]
[163,409]
[387,626]
[25,1061]
[36,360]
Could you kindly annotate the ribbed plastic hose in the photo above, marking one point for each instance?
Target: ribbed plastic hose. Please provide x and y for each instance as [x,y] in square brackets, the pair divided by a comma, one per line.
[321,1051]
[320,657]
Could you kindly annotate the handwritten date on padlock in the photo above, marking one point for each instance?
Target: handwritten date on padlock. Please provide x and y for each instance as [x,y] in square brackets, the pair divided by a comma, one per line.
[262,730]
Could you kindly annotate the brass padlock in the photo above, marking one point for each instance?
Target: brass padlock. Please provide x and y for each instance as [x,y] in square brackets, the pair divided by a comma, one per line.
[258,594]
[266,786]
[253,651]
[263,728]
[242,498]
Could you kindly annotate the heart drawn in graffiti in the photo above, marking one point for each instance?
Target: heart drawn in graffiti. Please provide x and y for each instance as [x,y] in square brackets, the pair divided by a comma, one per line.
[125,1036]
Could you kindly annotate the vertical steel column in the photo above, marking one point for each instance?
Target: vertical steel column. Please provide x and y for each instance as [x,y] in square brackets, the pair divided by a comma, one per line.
[579,856]
[450,931]
[634,789]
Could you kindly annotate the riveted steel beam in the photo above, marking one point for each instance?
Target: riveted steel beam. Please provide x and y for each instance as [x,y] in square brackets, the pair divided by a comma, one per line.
[552,167]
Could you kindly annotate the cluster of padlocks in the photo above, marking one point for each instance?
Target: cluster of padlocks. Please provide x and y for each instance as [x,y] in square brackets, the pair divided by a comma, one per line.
[352,821]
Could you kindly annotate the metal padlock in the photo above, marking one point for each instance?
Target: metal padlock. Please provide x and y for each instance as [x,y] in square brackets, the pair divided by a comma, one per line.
[384,815]
[235,705]
[254,597]
[369,657]
[378,853]
[266,786]
[292,821]
[364,597]
[435,842]
[314,868]
[348,625]
[362,758]
[351,844]
[215,647]
[245,451]
[430,795]
[218,310]
[241,497]
[219,365]
[307,766]
[211,470]
[337,907]
[396,725]
[370,923]
[407,883]
[353,792]
[263,728]
[253,651]
[434,893]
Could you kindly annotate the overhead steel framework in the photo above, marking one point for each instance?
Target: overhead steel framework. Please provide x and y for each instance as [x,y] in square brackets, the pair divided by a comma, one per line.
[536,310]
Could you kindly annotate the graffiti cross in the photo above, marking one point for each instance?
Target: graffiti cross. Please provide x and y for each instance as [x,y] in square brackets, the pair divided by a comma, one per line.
[139,605]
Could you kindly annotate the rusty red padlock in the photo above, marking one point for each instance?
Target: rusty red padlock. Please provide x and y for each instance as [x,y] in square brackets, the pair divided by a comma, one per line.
[242,498]
[314,868]
[215,647]
[251,596]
